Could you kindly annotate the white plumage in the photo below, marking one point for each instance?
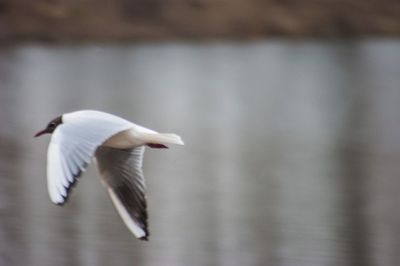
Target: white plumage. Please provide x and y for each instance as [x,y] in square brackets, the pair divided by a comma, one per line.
[118,146]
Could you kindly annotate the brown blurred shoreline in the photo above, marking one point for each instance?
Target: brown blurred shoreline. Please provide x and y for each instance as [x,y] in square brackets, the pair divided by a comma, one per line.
[138,20]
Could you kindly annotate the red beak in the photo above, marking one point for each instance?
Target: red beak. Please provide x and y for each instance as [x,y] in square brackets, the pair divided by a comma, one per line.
[44,131]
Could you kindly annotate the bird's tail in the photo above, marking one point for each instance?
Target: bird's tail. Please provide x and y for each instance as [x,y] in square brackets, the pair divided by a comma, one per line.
[164,138]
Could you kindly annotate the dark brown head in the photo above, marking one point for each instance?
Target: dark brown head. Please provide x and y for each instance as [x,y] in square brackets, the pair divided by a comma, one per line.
[51,126]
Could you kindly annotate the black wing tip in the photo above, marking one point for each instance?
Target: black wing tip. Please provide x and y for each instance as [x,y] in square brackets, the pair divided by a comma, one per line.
[69,188]
[144,238]
[145,227]
[61,203]
[72,185]
[134,203]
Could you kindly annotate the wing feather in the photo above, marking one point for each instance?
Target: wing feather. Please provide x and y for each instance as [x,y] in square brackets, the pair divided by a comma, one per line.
[73,145]
[121,171]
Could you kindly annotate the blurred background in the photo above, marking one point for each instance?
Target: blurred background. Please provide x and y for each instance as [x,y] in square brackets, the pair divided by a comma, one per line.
[290,112]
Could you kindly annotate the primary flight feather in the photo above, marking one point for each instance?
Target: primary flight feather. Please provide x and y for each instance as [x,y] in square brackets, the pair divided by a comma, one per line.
[117,145]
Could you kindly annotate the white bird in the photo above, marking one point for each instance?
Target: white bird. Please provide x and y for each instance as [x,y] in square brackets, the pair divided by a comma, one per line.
[117,145]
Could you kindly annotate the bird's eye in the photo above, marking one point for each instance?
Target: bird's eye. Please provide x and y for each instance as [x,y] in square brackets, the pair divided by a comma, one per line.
[52,124]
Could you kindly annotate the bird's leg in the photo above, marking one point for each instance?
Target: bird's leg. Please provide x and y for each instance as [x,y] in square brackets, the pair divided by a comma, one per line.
[157,146]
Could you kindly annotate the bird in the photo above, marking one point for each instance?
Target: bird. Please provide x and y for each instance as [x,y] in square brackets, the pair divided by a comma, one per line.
[117,146]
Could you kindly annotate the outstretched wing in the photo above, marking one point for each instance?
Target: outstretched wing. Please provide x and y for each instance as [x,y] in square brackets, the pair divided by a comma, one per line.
[121,172]
[72,146]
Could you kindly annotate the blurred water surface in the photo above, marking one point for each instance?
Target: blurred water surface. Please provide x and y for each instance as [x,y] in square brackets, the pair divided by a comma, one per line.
[291,158]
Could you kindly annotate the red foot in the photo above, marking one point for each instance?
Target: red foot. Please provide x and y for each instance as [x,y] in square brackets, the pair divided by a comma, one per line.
[157,146]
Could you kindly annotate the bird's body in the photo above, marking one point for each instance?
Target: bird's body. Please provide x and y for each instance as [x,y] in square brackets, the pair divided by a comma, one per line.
[138,136]
[126,139]
[118,146]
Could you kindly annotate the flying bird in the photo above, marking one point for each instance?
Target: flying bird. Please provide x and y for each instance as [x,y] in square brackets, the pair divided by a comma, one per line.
[117,146]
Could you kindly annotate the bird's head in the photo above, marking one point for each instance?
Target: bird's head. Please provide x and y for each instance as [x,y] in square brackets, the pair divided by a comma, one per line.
[51,126]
